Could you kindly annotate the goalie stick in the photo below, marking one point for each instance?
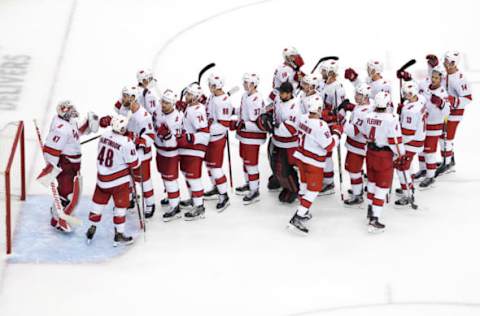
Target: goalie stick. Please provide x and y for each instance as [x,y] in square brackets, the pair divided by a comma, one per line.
[53,186]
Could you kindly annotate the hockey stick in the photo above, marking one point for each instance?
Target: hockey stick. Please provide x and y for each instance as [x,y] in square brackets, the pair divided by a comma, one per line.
[233,91]
[141,218]
[409,191]
[72,220]
[90,139]
[444,139]
[229,161]
[322,60]
[409,63]
[339,155]
[199,79]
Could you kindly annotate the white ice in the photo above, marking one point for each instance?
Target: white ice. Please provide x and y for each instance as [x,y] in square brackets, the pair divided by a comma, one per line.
[243,261]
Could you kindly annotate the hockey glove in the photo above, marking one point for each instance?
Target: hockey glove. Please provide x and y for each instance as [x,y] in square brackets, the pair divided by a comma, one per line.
[105,121]
[432,60]
[350,74]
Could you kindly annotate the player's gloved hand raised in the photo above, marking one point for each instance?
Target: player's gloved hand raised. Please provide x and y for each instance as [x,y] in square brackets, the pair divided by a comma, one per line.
[403,74]
[328,115]
[350,74]
[399,108]
[337,129]
[432,60]
[105,121]
[437,101]
[164,132]
[299,76]
[345,105]
[181,106]
[202,99]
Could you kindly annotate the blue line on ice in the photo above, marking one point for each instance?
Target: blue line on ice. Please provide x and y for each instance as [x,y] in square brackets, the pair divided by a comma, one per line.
[35,241]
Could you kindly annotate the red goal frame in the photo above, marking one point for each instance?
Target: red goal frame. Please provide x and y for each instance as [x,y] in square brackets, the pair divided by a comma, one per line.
[19,139]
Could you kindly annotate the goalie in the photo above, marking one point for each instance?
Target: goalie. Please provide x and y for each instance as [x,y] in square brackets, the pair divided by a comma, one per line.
[62,154]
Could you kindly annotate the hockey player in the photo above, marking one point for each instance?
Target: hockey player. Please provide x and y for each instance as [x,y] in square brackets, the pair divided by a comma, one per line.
[375,79]
[192,145]
[315,142]
[309,85]
[384,146]
[459,95]
[413,124]
[116,159]
[168,125]
[251,135]
[62,153]
[284,142]
[289,71]
[437,109]
[219,111]
[140,126]
[333,96]
[356,144]
[147,97]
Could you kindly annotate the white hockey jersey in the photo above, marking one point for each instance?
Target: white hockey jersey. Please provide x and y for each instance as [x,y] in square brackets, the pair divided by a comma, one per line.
[436,114]
[195,122]
[283,73]
[116,156]
[141,125]
[286,116]
[315,141]
[333,94]
[173,121]
[357,143]
[304,99]
[219,111]
[148,100]
[380,85]
[63,139]
[382,129]
[251,107]
[413,124]
[458,87]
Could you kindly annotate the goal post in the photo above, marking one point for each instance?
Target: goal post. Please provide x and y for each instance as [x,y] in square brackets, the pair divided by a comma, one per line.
[17,144]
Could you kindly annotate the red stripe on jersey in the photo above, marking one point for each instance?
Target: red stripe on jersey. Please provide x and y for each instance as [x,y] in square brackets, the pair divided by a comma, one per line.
[456,111]
[434,127]
[147,150]
[73,156]
[355,144]
[253,135]
[311,155]
[133,164]
[224,123]
[468,97]
[151,135]
[330,147]
[391,140]
[113,176]
[415,143]
[285,139]
[51,151]
[409,132]
[290,128]
[204,129]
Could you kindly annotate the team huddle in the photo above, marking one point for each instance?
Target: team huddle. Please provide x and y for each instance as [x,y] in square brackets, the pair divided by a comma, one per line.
[303,120]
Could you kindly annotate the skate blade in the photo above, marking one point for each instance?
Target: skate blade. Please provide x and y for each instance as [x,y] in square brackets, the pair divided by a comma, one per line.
[431,186]
[329,192]
[360,206]
[295,230]
[251,202]
[189,207]
[242,193]
[192,219]
[171,219]
[401,207]
[220,210]
[374,230]
[211,197]
[127,243]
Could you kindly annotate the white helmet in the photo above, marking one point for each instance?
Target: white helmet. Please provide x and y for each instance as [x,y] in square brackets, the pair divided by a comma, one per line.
[144,74]
[311,79]
[382,100]
[290,51]
[130,91]
[440,70]
[314,104]
[452,57]
[66,110]
[119,124]
[195,90]
[363,89]
[376,65]
[169,97]
[409,87]
[251,78]
[216,81]
[331,66]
